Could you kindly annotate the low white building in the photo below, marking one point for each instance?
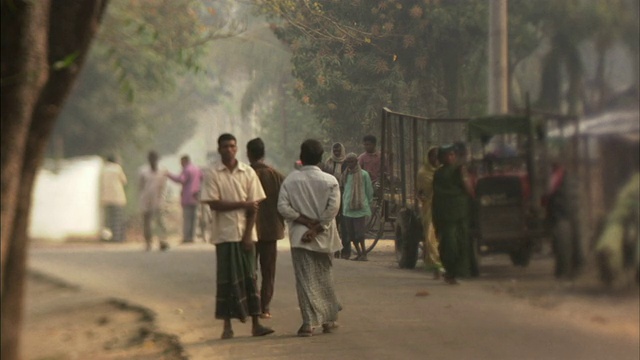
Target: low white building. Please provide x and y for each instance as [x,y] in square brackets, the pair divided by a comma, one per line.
[66,202]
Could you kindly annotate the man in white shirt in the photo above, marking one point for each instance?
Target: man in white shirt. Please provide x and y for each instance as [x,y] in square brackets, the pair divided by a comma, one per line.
[309,201]
[233,192]
[151,188]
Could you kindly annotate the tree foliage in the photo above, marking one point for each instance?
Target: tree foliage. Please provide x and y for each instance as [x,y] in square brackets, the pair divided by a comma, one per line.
[429,57]
[565,26]
[259,64]
[352,58]
[145,76]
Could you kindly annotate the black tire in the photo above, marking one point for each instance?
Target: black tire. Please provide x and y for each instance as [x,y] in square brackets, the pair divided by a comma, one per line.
[562,248]
[475,257]
[409,233]
[398,242]
[521,256]
[375,227]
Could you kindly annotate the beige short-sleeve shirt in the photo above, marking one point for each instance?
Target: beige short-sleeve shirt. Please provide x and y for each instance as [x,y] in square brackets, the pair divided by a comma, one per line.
[241,184]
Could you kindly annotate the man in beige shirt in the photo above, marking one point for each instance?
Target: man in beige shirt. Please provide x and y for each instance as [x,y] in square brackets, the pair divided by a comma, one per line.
[233,191]
[113,199]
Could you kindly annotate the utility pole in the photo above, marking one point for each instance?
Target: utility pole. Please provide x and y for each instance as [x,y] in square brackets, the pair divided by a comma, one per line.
[498,73]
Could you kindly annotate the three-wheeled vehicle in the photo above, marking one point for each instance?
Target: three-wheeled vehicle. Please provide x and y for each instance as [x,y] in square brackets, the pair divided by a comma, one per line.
[504,164]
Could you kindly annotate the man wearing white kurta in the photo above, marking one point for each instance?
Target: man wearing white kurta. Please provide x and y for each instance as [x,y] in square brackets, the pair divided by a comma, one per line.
[309,201]
[151,186]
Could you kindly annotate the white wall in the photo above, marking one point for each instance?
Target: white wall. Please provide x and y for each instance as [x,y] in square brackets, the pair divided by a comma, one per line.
[66,204]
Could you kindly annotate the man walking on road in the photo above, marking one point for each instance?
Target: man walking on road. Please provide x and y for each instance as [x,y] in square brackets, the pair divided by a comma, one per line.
[151,188]
[309,201]
[269,223]
[190,179]
[233,191]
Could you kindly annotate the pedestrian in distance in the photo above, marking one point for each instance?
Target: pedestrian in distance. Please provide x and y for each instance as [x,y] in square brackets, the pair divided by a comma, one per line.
[233,191]
[370,160]
[424,190]
[114,199]
[151,186]
[269,222]
[190,179]
[469,179]
[335,166]
[356,205]
[309,201]
[562,204]
[451,194]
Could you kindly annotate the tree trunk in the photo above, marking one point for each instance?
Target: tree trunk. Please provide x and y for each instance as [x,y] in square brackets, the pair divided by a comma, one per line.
[24,73]
[38,37]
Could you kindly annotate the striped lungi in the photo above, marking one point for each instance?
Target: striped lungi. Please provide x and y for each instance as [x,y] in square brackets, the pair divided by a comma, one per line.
[314,285]
[237,295]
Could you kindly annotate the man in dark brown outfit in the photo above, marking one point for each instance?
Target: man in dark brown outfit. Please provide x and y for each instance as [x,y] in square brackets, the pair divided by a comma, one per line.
[269,223]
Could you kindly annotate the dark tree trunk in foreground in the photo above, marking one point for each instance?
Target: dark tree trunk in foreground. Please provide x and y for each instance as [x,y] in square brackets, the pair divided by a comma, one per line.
[44,44]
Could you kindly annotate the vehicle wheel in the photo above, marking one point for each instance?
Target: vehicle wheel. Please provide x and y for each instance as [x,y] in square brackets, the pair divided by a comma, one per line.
[475,257]
[398,242]
[408,236]
[375,227]
[562,248]
[521,256]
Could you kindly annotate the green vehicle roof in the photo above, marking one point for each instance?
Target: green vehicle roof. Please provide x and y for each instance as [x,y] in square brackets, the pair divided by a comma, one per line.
[486,127]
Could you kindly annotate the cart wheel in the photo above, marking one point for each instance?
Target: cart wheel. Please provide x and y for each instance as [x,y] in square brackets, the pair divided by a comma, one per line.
[375,226]
[475,257]
[409,234]
[562,234]
[521,256]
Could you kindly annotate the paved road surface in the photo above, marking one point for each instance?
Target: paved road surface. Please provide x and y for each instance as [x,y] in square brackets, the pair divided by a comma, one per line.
[388,313]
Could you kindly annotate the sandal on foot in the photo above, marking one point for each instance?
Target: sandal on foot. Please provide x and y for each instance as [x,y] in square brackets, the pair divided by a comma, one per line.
[305,331]
[227,334]
[265,315]
[262,331]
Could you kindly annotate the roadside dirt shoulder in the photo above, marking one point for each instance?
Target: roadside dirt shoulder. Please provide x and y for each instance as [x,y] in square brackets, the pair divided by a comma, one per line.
[64,322]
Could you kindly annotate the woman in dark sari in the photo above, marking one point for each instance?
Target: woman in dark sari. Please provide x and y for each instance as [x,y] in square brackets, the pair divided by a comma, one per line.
[451,194]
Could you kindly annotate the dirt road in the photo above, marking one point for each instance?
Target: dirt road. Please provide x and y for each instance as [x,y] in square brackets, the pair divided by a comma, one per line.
[388,313]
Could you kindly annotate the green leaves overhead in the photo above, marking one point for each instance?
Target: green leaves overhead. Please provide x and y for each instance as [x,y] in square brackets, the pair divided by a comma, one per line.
[138,88]
[352,58]
[66,62]
[429,57]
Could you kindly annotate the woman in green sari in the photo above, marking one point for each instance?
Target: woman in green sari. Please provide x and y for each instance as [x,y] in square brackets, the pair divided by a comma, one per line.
[451,194]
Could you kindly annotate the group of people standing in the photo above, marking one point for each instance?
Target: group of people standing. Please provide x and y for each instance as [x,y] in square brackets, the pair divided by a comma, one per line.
[356,175]
[250,204]
[152,181]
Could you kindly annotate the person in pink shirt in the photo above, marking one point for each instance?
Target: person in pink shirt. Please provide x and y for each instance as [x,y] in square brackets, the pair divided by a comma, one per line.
[190,178]
[370,159]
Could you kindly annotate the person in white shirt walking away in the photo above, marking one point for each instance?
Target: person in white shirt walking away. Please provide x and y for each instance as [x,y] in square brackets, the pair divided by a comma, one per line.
[309,201]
